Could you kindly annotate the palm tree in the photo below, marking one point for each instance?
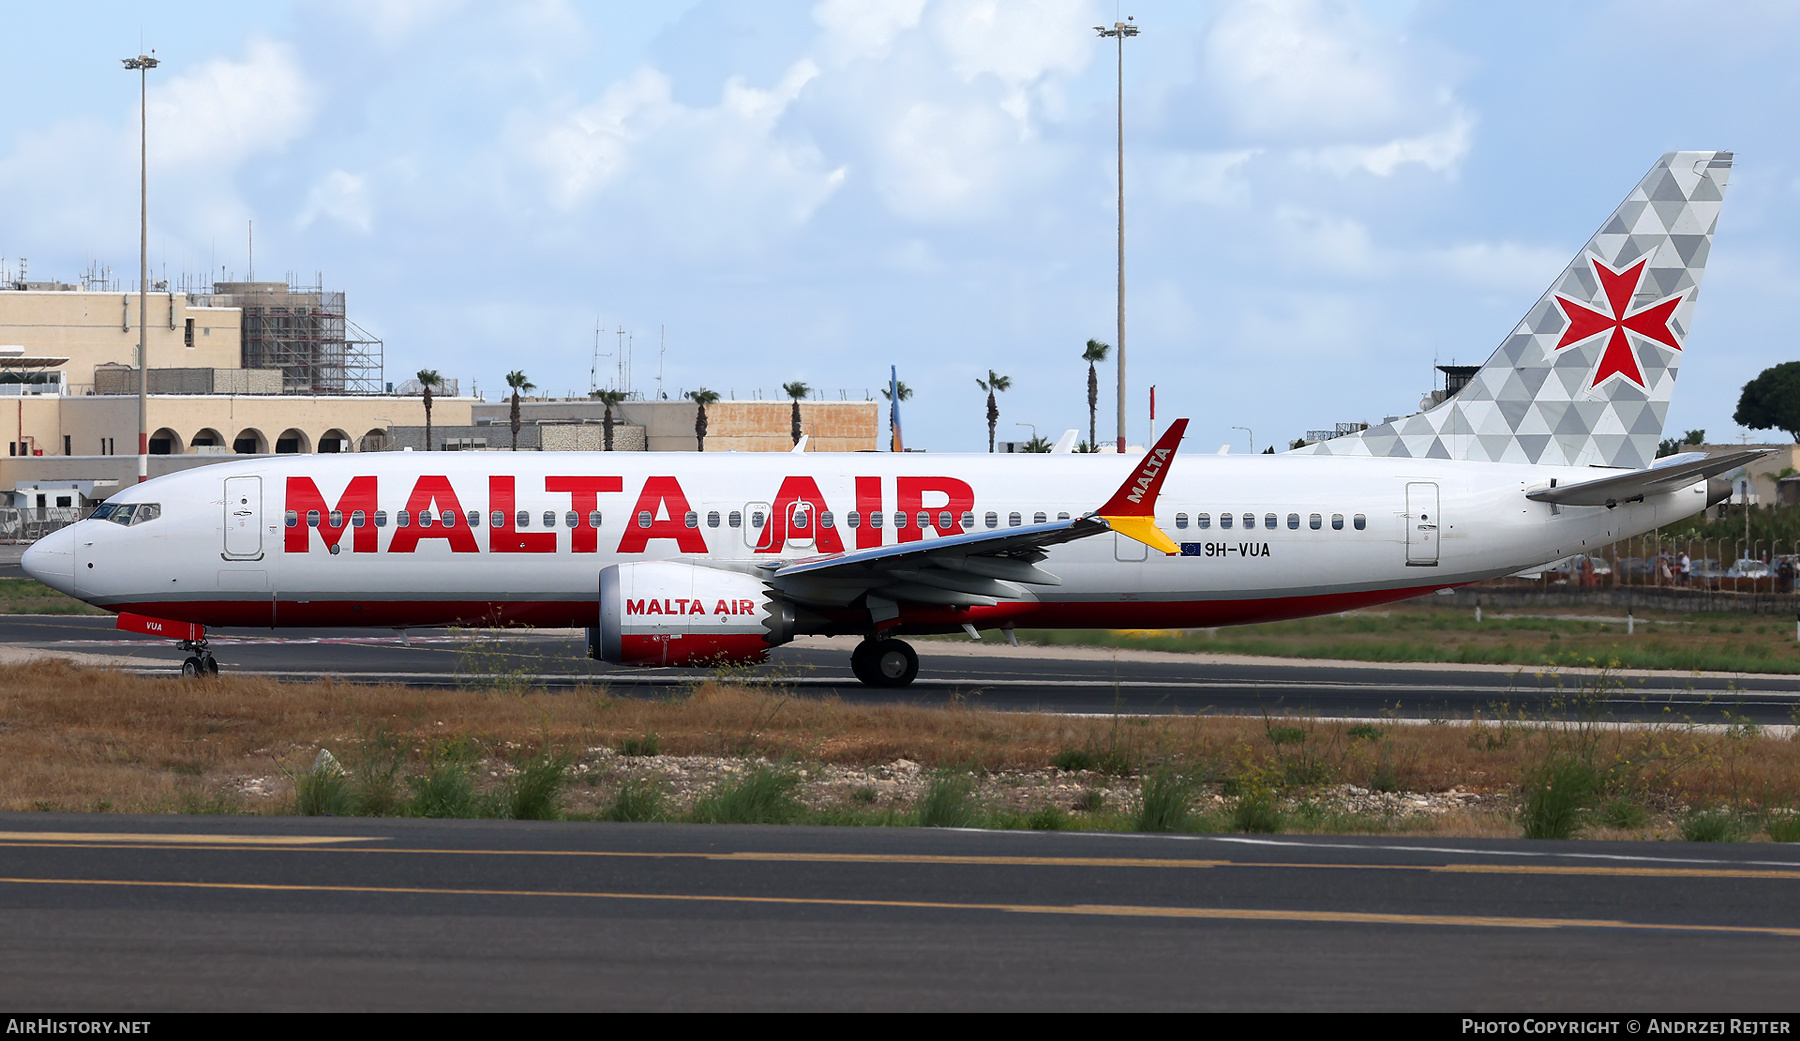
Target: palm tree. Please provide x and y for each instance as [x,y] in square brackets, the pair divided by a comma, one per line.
[796,391]
[609,398]
[905,395]
[994,384]
[428,378]
[1096,352]
[702,398]
[517,381]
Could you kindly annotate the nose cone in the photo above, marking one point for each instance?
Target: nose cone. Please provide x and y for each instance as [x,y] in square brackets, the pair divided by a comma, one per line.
[51,560]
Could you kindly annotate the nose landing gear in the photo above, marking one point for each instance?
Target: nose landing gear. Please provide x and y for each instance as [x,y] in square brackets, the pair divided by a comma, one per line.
[201,663]
[884,663]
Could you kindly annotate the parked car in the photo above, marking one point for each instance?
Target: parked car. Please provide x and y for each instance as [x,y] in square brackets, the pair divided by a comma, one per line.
[1707,568]
[1748,568]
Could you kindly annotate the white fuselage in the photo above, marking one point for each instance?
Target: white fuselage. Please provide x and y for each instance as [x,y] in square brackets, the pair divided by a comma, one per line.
[250,542]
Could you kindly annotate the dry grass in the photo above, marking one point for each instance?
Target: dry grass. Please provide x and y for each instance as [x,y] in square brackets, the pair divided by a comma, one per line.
[89,739]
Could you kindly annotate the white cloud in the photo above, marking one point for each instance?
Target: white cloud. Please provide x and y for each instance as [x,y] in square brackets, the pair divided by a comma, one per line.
[1327,242]
[1438,151]
[342,197]
[1499,265]
[224,111]
[1350,93]
[706,175]
[863,29]
[1210,178]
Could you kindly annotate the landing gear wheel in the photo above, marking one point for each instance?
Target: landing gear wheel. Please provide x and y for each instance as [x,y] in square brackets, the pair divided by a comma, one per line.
[885,663]
[201,663]
[862,663]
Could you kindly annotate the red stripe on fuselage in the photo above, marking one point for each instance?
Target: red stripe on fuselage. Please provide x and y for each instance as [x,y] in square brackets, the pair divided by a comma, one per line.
[562,614]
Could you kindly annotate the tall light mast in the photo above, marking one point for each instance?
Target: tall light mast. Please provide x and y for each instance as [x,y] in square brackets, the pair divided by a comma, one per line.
[1120,31]
[142,64]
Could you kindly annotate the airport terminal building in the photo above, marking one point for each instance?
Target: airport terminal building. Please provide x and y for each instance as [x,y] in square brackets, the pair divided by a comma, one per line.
[253,368]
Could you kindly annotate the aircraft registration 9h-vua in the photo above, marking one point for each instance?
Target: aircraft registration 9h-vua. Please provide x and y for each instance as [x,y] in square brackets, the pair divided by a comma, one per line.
[674,559]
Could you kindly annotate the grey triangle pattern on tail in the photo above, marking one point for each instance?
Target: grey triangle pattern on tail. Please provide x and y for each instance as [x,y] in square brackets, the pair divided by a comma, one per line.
[1592,392]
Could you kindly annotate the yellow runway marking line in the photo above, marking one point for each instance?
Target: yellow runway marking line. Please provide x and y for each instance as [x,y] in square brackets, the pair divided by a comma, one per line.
[1082,910]
[100,838]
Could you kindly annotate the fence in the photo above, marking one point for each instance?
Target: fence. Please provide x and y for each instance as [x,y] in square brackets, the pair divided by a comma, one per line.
[28,525]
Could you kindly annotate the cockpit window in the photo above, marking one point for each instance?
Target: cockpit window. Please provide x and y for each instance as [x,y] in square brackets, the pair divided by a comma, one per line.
[128,513]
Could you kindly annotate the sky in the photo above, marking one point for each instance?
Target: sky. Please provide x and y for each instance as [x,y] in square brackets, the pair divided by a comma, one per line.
[1323,200]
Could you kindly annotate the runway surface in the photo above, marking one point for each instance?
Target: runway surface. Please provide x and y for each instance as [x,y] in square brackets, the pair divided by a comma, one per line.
[1057,679]
[166,913]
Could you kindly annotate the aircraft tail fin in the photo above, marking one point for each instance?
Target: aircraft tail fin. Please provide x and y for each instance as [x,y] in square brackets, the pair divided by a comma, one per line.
[1585,379]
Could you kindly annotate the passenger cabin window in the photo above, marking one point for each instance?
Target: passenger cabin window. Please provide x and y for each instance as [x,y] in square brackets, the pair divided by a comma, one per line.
[875,520]
[968,522]
[1293,522]
[900,521]
[1062,516]
[992,520]
[1249,520]
[381,518]
[853,519]
[496,519]
[1013,520]
[1360,521]
[712,519]
[1269,520]
[1039,518]
[1202,520]
[337,518]
[1225,520]
[594,519]
[426,520]
[1181,521]
[402,519]
[735,519]
[359,519]
[573,519]
[1314,522]
[943,520]
[826,520]
[522,519]
[312,518]
[643,518]
[293,516]
[549,519]
[448,519]
[1337,522]
[474,518]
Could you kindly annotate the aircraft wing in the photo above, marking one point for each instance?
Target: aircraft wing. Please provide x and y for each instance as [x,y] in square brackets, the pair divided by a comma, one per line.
[980,568]
[1635,484]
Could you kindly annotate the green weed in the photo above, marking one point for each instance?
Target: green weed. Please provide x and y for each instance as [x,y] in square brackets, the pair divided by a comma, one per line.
[949,802]
[764,795]
[1166,802]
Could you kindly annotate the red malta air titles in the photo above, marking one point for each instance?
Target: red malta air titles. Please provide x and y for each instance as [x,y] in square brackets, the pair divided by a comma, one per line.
[672,559]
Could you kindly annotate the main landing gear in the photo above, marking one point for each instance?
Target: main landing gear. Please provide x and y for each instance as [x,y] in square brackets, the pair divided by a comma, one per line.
[201,663]
[884,663]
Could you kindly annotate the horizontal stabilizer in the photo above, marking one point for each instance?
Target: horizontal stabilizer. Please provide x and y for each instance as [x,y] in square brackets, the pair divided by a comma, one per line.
[1626,487]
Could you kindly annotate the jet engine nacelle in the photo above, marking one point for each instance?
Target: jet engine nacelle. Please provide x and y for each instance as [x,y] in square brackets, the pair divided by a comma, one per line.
[668,613]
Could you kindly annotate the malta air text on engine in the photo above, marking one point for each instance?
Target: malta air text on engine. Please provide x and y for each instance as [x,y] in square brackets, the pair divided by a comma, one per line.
[438,511]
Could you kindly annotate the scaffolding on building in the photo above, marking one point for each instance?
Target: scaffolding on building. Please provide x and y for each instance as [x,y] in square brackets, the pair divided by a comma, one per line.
[302,331]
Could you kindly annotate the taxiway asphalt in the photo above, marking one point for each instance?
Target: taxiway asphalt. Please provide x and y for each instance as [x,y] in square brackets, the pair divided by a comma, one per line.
[1077,680]
[172,913]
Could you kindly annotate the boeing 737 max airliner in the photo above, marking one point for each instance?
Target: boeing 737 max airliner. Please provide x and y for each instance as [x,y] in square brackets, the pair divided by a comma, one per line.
[685,559]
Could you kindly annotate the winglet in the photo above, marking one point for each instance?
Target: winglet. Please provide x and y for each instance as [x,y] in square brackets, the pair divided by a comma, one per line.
[1131,510]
